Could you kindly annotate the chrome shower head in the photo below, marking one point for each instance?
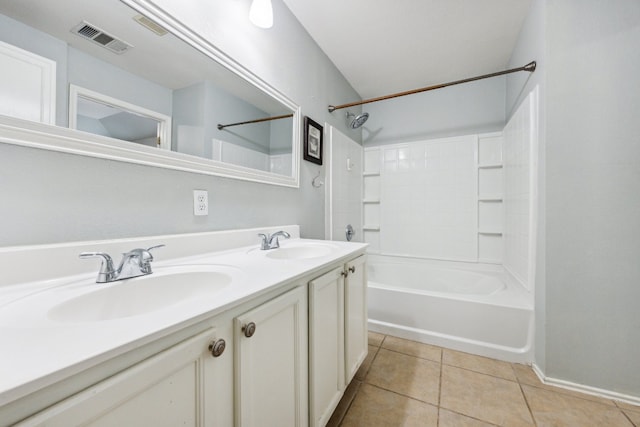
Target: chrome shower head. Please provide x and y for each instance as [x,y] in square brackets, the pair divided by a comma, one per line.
[356,121]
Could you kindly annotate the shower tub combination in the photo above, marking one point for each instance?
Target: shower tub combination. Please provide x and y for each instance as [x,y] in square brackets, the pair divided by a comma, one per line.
[470,308]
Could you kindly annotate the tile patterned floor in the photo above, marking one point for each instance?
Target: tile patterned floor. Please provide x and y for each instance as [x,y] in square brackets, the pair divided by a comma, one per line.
[405,383]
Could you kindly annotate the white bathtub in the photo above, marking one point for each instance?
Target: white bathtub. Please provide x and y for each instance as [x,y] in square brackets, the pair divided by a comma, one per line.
[470,308]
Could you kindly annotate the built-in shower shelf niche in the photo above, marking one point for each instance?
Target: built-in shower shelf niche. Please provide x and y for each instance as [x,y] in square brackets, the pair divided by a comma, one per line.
[371,198]
[490,232]
[490,198]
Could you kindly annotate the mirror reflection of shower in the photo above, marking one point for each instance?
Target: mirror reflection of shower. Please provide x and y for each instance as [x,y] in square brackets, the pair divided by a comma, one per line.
[355,121]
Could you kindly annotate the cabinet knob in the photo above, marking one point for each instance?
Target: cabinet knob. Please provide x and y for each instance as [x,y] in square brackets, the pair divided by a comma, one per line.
[346,273]
[217,347]
[249,329]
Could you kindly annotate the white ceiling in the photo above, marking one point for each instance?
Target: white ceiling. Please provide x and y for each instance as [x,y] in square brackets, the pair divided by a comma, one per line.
[383,47]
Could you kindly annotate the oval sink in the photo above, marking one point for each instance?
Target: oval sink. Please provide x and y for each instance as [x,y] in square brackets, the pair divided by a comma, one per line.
[144,294]
[301,251]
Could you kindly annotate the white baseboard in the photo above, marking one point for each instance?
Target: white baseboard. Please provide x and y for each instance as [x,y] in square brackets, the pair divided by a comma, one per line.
[594,391]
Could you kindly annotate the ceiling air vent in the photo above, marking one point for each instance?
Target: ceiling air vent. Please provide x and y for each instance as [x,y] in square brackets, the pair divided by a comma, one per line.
[150,25]
[96,35]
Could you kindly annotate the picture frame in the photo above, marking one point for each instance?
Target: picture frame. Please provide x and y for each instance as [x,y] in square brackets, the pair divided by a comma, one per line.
[313,141]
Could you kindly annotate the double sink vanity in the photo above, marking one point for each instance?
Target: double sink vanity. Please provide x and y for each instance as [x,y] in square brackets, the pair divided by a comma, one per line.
[222,333]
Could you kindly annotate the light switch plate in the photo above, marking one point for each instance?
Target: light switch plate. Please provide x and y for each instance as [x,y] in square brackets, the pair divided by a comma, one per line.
[200,202]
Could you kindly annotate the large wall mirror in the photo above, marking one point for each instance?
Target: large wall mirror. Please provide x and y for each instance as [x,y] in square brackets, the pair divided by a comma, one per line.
[132,83]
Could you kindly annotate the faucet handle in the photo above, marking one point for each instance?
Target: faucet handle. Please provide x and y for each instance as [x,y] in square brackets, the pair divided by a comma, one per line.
[143,257]
[264,243]
[146,253]
[143,254]
[107,271]
[274,243]
[147,257]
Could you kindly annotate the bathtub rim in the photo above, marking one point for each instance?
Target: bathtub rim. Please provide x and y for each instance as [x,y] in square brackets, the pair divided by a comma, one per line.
[511,295]
[473,266]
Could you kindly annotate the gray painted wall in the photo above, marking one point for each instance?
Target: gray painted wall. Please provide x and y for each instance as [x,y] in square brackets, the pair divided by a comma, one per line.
[587,323]
[593,193]
[464,109]
[54,197]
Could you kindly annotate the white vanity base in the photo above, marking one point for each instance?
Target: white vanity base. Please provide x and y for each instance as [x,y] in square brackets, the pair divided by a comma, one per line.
[51,359]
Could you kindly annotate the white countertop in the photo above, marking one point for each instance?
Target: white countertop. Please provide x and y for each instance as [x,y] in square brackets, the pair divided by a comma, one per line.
[37,351]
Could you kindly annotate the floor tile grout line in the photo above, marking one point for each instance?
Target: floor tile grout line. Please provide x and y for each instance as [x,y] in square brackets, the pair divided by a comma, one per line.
[382,341]
[468,416]
[482,373]
[526,401]
[439,390]
[627,417]
[635,408]
[400,394]
[428,403]
[409,354]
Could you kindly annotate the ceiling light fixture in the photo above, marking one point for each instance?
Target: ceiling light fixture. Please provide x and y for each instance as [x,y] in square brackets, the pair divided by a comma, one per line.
[261,13]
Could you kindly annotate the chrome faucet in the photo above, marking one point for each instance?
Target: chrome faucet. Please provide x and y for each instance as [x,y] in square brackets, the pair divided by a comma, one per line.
[271,241]
[136,262]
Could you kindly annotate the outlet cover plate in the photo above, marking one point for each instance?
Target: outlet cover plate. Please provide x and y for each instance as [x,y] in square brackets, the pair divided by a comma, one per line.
[200,202]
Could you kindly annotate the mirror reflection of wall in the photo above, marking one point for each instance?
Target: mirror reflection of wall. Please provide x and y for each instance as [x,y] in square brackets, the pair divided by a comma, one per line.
[106,120]
[194,133]
[191,88]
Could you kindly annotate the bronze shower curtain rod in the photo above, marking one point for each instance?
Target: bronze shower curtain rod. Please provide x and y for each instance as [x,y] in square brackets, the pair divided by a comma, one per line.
[266,119]
[530,67]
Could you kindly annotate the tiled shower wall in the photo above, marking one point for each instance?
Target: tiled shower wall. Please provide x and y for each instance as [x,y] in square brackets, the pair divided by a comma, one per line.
[420,199]
[468,198]
[520,167]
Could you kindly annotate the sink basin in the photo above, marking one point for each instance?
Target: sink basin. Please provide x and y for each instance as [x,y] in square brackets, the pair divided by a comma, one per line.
[131,297]
[301,251]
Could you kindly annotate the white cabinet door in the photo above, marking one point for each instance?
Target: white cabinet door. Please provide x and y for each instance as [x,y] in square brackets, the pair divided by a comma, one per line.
[326,345]
[27,86]
[271,363]
[170,389]
[356,347]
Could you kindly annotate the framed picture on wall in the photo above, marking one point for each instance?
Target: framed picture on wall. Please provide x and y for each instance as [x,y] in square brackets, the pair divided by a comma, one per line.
[312,141]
